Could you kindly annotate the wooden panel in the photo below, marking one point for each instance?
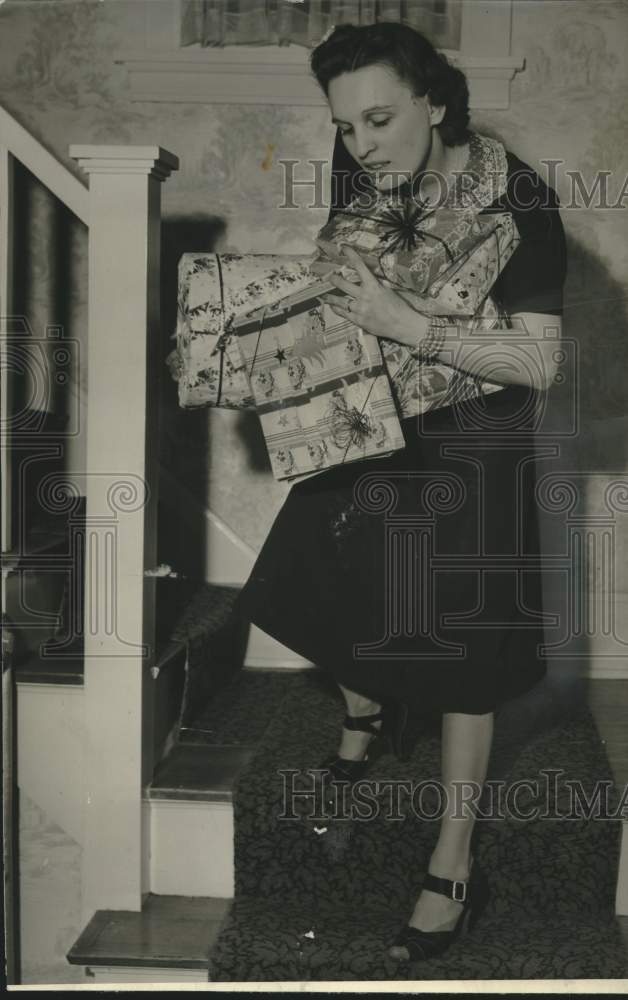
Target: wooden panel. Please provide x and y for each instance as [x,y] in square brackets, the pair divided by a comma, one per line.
[6,309]
[170,932]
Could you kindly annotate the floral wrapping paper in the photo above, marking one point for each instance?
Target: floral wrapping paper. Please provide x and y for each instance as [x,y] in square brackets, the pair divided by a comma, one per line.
[452,271]
[481,246]
[318,383]
[420,385]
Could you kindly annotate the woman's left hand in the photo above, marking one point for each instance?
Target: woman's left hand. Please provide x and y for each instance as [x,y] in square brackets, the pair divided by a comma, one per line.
[372,306]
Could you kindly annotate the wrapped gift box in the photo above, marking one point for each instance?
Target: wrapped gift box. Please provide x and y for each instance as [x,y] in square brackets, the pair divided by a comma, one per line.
[451,272]
[318,383]
[321,390]
[212,290]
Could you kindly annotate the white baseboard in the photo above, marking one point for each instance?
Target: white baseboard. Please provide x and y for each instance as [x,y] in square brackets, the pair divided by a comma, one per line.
[104,974]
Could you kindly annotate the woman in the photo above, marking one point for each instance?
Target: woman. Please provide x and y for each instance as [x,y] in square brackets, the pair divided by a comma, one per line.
[318,583]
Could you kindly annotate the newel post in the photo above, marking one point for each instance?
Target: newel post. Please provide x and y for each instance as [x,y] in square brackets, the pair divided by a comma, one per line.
[120,530]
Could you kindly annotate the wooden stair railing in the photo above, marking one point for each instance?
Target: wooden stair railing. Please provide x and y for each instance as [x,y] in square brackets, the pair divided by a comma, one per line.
[122,209]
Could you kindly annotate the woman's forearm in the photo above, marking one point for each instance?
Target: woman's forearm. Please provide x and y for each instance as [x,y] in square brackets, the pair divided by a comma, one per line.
[507,355]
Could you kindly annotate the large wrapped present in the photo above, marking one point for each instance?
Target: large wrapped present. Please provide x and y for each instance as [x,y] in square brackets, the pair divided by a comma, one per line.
[450,268]
[449,257]
[321,390]
[212,290]
[318,383]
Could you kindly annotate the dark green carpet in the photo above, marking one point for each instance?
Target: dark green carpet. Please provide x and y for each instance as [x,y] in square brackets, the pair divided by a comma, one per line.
[325,907]
[239,713]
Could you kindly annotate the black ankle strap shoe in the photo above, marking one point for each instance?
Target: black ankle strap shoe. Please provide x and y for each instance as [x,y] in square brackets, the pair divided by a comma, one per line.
[414,945]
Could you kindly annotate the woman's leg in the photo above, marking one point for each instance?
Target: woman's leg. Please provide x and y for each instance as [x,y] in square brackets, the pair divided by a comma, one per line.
[353,745]
[466,746]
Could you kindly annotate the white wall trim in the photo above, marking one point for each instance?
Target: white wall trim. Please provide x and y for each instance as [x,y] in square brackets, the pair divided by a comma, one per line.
[163,70]
[209,76]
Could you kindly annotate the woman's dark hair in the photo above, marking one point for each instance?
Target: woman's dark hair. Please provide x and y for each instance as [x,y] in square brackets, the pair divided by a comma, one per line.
[412,57]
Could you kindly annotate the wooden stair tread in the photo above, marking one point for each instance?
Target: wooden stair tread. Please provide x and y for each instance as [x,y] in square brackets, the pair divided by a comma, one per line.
[169,932]
[199,772]
[199,610]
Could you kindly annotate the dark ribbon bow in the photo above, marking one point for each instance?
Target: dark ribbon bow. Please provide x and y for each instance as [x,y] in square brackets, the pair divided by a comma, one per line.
[403,227]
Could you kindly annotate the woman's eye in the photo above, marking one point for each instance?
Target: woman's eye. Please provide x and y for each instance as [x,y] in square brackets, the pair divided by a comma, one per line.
[379,124]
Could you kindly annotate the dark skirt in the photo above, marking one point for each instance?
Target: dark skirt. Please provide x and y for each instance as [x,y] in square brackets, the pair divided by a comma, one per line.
[416,577]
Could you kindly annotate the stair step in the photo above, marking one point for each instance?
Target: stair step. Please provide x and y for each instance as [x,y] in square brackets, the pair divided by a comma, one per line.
[200,773]
[191,797]
[239,713]
[170,932]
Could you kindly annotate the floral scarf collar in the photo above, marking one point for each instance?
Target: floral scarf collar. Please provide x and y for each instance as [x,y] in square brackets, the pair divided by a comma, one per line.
[481,181]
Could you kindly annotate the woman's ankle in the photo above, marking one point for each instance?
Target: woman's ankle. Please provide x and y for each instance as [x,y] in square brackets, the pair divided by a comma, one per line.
[455,865]
[358,705]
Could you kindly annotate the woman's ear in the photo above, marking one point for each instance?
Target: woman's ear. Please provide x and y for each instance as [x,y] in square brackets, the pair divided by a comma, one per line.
[437,113]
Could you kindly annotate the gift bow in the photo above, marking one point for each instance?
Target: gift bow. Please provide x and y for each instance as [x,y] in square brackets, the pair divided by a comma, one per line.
[349,426]
[403,224]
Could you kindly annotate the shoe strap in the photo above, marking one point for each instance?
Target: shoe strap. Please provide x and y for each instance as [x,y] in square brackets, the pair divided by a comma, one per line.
[363,723]
[455,889]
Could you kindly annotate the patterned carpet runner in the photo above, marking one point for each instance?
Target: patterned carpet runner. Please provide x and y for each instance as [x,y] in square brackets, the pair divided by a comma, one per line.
[325,905]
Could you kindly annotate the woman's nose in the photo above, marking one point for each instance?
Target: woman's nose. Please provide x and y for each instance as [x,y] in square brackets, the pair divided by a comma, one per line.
[364,144]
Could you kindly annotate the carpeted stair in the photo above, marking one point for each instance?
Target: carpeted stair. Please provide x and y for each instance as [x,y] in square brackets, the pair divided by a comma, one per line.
[325,906]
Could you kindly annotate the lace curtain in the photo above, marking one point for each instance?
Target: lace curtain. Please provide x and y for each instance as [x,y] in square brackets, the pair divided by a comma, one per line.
[304,22]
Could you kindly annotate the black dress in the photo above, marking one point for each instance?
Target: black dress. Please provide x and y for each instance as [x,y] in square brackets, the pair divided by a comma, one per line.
[413,577]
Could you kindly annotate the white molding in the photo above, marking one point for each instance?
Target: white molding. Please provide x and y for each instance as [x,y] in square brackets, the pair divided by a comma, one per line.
[251,75]
[105,974]
[122,159]
[271,74]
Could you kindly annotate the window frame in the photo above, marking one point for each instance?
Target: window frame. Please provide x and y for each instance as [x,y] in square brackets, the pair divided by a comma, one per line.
[165,70]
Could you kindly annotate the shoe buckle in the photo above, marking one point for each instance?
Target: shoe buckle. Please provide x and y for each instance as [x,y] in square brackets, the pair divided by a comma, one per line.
[459,893]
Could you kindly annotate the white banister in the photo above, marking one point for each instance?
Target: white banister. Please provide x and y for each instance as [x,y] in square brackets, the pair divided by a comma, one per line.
[121,489]
[44,166]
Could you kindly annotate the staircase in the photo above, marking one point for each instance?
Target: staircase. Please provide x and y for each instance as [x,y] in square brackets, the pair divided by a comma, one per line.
[188,802]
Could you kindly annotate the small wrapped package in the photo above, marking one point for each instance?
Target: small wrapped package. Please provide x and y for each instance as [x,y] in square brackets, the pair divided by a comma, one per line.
[321,391]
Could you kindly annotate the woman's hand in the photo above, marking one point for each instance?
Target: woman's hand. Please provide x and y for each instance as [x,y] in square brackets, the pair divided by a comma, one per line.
[374,307]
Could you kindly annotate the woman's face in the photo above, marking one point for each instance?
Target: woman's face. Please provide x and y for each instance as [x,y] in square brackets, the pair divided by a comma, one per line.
[383,124]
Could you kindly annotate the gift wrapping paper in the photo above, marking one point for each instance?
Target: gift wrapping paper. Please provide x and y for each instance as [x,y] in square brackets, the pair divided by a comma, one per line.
[212,290]
[318,383]
[451,276]
[420,385]
[321,390]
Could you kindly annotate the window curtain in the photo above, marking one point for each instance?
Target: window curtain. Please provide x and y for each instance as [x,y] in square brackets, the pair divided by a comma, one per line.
[304,22]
